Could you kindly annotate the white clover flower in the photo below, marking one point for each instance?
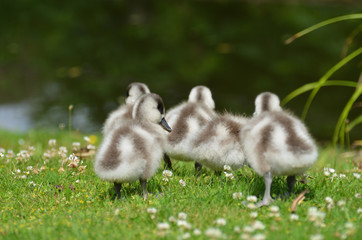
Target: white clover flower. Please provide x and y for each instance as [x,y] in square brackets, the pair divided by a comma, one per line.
[349,225]
[359,210]
[220,222]
[274,209]
[259,236]
[251,206]
[31,183]
[357,175]
[294,217]
[116,212]
[76,146]
[172,219]
[17,171]
[183,224]
[248,229]
[237,229]
[213,232]
[167,173]
[327,173]
[63,152]
[152,210]
[229,175]
[2,150]
[257,225]
[29,168]
[182,182]
[91,147]
[357,195]
[10,154]
[237,195]
[197,232]
[253,214]
[2,155]
[341,203]
[186,235]
[52,142]
[342,175]
[316,216]
[329,200]
[163,226]
[331,170]
[251,198]
[23,177]
[182,216]
[46,155]
[227,168]
[316,237]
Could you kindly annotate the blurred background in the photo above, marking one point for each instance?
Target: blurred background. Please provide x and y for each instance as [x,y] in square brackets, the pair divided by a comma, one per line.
[85,53]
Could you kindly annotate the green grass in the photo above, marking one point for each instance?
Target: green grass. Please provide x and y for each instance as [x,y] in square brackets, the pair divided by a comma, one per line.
[86,209]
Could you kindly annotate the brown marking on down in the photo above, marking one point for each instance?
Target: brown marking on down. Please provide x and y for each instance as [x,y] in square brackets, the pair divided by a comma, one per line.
[111,159]
[234,128]
[138,109]
[181,128]
[199,96]
[262,147]
[141,149]
[265,102]
[208,131]
[295,143]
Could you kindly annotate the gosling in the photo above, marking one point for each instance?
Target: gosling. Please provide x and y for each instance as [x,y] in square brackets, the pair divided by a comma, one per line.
[186,119]
[124,112]
[218,143]
[276,143]
[133,151]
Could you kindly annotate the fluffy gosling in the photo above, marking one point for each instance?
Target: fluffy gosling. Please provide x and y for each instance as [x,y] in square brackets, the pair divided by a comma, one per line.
[186,119]
[133,150]
[277,144]
[124,112]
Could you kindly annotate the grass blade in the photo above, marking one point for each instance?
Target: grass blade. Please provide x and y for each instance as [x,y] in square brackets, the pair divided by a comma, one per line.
[322,24]
[339,131]
[309,86]
[325,77]
[354,123]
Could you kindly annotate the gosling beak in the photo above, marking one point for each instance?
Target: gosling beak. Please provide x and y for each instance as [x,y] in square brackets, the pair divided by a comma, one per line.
[165,125]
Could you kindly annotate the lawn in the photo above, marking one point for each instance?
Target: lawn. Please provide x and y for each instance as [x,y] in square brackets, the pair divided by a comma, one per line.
[48,193]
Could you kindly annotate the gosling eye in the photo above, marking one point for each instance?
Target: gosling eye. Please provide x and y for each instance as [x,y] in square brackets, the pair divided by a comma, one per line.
[160,107]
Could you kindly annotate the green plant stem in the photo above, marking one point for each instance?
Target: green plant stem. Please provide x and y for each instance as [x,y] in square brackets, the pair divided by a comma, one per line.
[339,130]
[309,86]
[354,123]
[325,77]
[322,24]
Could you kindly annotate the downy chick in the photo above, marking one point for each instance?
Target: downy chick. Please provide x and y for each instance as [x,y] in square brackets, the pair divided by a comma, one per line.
[186,119]
[218,143]
[133,150]
[124,112]
[277,144]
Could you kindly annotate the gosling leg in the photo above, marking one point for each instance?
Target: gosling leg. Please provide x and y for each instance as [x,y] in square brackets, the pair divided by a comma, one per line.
[167,160]
[143,183]
[290,183]
[268,178]
[198,168]
[117,189]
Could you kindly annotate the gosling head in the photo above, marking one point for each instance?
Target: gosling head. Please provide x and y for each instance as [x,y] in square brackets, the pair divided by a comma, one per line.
[266,101]
[149,107]
[202,94]
[134,91]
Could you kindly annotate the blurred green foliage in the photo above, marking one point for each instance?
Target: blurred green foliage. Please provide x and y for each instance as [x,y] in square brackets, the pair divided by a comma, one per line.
[85,53]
